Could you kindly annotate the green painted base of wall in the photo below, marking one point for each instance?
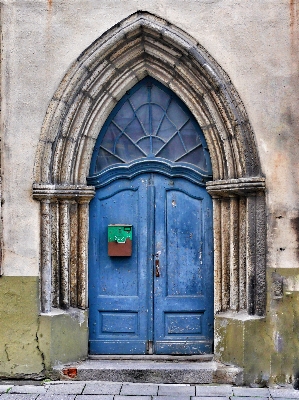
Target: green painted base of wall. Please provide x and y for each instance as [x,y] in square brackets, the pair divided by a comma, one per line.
[241,342]
[63,337]
[266,348]
[30,344]
[20,355]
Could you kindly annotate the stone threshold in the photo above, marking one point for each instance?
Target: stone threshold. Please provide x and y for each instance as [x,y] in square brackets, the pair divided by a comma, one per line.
[154,357]
[147,370]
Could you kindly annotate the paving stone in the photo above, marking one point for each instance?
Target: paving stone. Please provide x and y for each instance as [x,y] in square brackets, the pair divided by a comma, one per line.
[118,397]
[64,388]
[28,389]
[284,393]
[213,391]
[56,396]
[7,396]
[176,390]
[4,388]
[95,397]
[276,398]
[251,392]
[140,389]
[172,397]
[284,398]
[102,388]
[211,398]
[253,398]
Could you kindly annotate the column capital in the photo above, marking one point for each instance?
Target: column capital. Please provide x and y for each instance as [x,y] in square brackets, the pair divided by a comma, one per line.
[236,187]
[80,193]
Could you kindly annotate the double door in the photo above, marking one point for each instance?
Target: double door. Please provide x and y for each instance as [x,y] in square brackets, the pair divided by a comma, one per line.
[160,299]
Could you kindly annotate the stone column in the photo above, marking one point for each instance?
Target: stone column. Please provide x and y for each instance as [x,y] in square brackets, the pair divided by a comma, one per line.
[217,255]
[240,238]
[55,261]
[260,257]
[242,254]
[74,232]
[234,253]
[65,245]
[83,252]
[64,241]
[45,262]
[250,254]
[225,253]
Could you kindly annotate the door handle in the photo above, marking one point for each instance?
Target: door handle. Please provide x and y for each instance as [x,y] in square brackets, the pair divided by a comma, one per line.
[157,265]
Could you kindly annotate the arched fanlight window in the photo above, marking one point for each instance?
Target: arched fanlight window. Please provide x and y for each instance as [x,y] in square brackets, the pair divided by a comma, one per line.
[150,122]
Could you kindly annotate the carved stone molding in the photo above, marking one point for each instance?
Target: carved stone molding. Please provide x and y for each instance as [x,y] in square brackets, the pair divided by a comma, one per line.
[141,45]
[240,187]
[240,244]
[64,241]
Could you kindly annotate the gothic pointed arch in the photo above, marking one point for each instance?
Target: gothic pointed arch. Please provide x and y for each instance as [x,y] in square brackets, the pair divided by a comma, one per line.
[140,45]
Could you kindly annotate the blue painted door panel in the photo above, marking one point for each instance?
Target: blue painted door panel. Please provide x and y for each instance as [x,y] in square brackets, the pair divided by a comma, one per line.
[119,287]
[183,294]
[129,304]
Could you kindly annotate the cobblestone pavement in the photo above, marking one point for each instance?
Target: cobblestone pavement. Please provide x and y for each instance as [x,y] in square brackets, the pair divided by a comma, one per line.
[91,390]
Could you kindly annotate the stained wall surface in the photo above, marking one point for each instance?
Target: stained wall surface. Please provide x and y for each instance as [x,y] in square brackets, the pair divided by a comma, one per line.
[256,44]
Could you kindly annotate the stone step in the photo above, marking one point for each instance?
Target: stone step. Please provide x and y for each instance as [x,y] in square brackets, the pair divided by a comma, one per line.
[151,371]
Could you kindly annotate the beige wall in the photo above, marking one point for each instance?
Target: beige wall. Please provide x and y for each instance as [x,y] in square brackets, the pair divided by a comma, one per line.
[255,42]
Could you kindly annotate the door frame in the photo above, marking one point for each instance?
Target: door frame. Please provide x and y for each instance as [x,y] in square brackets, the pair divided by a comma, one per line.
[207,253]
[76,113]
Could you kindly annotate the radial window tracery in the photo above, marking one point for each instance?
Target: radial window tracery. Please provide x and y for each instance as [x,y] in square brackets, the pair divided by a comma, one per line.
[150,122]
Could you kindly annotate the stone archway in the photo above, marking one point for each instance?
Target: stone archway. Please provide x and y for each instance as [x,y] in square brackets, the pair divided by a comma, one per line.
[141,45]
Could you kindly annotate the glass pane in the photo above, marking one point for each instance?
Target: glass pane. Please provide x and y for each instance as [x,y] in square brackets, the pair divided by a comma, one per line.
[190,136]
[151,122]
[160,97]
[177,115]
[167,129]
[143,115]
[173,149]
[145,144]
[196,157]
[157,144]
[105,159]
[157,116]
[124,115]
[111,135]
[134,130]
[127,150]
[139,97]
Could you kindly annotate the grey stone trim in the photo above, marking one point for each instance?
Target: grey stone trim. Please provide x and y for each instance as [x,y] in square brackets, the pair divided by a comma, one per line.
[64,241]
[241,186]
[141,45]
[46,284]
[240,244]
[62,192]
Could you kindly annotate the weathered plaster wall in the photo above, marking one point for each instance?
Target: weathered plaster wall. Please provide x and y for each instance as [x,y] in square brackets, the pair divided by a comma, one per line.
[20,352]
[256,43]
[42,38]
[267,348]
[31,343]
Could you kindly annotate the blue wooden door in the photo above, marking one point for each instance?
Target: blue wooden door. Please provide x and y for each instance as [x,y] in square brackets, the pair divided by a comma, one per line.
[161,297]
[183,291]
